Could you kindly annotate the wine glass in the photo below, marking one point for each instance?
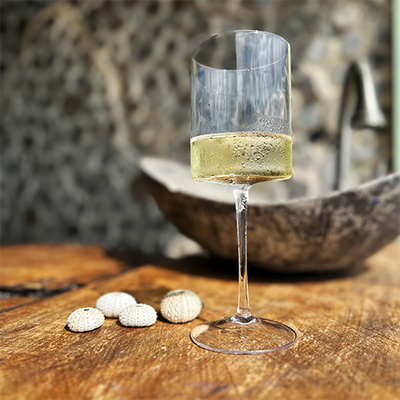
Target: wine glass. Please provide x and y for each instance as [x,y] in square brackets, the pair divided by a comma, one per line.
[241,135]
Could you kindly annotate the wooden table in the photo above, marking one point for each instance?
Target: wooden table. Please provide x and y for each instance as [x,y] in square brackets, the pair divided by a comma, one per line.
[348,326]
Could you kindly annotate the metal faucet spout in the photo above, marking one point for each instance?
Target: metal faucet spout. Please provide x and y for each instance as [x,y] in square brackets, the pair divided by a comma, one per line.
[359,110]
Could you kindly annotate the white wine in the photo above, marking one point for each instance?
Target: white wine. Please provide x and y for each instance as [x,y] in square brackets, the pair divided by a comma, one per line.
[241,158]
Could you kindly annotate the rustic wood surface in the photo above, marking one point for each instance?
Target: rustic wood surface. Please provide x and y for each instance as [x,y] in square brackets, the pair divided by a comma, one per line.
[12,302]
[348,347]
[50,267]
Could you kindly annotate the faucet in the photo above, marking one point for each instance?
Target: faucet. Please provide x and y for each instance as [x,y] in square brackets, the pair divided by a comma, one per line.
[359,110]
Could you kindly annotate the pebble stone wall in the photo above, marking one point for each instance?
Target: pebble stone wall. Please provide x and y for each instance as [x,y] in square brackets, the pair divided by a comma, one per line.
[88,86]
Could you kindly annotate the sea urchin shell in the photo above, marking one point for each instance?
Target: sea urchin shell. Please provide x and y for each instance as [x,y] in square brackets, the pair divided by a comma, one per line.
[111,304]
[138,315]
[85,319]
[179,306]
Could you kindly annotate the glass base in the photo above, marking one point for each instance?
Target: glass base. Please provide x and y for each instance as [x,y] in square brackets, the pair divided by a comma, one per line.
[236,335]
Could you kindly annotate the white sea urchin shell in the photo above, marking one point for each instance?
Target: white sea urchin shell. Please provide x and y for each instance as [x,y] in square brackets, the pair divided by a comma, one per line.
[111,304]
[85,319]
[138,315]
[179,306]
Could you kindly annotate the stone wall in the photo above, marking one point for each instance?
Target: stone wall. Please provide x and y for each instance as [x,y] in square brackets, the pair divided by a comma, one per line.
[89,86]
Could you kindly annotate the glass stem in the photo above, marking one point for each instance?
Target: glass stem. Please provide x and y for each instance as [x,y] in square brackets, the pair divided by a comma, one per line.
[241,196]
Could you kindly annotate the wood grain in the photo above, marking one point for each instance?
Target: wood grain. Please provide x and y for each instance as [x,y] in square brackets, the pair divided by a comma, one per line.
[51,267]
[12,302]
[348,345]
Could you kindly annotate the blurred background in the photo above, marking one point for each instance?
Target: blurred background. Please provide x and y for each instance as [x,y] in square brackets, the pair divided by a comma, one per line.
[87,87]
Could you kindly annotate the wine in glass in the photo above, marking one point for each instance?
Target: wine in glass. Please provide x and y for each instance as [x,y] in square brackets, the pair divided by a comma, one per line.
[241,135]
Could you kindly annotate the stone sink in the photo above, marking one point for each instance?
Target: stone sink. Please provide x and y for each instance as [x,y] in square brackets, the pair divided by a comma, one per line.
[327,233]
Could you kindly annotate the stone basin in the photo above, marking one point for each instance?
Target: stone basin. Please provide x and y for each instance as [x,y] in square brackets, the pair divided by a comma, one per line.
[327,233]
